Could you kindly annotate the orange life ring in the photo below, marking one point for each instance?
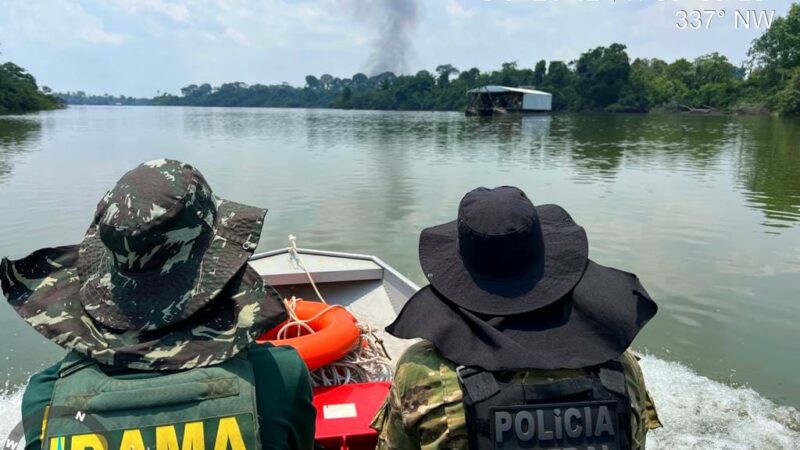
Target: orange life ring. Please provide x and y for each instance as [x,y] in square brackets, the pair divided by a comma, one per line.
[336,334]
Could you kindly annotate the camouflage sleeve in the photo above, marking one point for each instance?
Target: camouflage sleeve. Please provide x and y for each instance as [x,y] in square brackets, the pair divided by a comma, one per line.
[643,411]
[391,434]
[423,410]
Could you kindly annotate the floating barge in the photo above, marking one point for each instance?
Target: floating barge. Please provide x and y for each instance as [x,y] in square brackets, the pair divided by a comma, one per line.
[491,99]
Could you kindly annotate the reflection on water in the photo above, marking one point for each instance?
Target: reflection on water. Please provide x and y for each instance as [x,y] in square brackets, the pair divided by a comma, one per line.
[15,137]
[704,209]
[602,143]
[769,169]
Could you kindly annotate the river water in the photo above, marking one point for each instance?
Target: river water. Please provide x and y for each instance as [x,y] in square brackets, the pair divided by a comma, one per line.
[706,210]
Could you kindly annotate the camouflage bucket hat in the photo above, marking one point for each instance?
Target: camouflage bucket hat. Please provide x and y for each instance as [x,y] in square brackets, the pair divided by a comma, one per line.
[160,281]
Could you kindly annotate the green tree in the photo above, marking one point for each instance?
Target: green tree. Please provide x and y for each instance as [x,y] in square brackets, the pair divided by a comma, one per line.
[312,82]
[423,81]
[383,80]
[602,73]
[360,80]
[788,99]
[778,49]
[336,84]
[648,86]
[773,58]
[714,68]
[188,90]
[470,77]
[445,71]
[717,82]
[560,81]
[539,72]
[347,95]
[509,66]
[325,81]
[683,71]
[204,89]
[20,93]
[19,74]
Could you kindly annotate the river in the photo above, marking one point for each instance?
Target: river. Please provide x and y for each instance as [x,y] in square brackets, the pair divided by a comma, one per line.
[706,210]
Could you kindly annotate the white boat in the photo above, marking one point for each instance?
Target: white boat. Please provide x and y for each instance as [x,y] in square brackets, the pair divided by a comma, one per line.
[371,289]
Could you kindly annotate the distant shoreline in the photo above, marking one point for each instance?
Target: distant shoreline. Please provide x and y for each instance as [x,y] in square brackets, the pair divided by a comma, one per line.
[744,111]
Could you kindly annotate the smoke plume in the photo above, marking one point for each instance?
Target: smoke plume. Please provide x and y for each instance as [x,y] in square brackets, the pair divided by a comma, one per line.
[392,22]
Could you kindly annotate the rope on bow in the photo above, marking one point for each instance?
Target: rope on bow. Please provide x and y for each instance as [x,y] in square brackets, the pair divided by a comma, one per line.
[369,361]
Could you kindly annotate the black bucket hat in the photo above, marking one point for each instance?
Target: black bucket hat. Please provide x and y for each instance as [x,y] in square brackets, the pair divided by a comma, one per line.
[502,255]
[160,280]
[512,288]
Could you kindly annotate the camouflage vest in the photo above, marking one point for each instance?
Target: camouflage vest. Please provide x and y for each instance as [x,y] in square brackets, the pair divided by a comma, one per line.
[210,408]
[584,413]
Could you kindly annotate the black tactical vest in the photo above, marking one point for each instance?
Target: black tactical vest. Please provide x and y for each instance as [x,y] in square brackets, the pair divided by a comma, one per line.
[586,413]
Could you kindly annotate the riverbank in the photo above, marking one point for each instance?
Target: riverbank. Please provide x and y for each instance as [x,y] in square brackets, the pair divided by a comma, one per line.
[739,110]
[19,92]
[745,109]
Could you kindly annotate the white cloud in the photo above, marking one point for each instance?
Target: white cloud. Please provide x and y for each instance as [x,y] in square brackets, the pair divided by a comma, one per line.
[65,23]
[99,36]
[237,37]
[456,11]
[507,23]
[178,12]
[284,24]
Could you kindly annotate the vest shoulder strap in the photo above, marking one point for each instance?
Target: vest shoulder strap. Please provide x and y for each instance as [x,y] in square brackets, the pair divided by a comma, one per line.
[612,376]
[74,362]
[478,383]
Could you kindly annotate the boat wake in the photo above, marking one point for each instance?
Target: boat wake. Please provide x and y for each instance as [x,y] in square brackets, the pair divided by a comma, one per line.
[697,412]
[10,400]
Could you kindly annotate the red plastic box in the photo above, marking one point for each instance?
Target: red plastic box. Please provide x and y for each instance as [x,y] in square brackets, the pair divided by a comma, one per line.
[344,414]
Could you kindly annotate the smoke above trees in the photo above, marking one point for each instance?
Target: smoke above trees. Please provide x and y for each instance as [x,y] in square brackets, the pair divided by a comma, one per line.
[392,23]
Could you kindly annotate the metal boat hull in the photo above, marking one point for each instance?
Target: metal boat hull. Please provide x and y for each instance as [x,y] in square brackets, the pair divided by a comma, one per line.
[372,290]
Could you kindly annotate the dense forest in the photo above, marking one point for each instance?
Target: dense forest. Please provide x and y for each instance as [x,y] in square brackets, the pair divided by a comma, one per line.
[20,93]
[80,98]
[601,79]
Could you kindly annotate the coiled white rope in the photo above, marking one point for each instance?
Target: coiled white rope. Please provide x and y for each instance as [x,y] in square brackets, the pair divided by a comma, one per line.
[299,326]
[368,361]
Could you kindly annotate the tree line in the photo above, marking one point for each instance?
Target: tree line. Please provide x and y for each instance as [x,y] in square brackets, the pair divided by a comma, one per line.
[81,98]
[601,79]
[19,91]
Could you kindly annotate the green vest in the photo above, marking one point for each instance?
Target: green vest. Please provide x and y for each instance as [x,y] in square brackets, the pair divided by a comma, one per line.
[210,408]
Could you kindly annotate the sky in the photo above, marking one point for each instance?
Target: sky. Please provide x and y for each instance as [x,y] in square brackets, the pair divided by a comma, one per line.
[142,47]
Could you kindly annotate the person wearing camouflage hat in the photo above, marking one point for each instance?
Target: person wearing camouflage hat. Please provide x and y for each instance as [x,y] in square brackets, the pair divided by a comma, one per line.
[525,340]
[159,310]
